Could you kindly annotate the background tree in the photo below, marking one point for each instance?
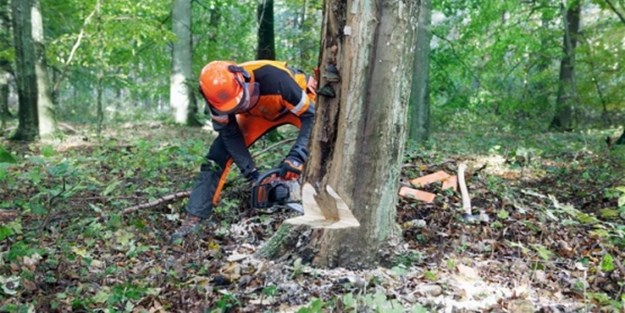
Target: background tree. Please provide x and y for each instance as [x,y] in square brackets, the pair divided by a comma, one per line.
[115,58]
[28,126]
[6,58]
[299,22]
[369,47]
[181,92]
[266,38]
[419,117]
[567,89]
[620,13]
[45,106]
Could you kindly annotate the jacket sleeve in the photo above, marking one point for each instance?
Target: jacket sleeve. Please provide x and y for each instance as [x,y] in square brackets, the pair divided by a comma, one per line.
[299,149]
[229,131]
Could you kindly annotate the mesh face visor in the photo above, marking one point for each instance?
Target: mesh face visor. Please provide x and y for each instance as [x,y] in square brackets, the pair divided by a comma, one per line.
[250,97]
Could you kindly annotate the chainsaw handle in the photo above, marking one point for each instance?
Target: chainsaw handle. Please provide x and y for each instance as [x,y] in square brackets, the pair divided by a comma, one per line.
[267,174]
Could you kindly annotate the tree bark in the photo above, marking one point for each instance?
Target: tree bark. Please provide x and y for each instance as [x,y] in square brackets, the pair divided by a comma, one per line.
[45,106]
[26,77]
[181,96]
[4,95]
[359,136]
[5,64]
[266,39]
[99,104]
[621,140]
[419,93]
[567,90]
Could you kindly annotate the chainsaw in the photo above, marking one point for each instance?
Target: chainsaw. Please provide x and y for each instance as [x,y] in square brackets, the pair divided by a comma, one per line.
[271,190]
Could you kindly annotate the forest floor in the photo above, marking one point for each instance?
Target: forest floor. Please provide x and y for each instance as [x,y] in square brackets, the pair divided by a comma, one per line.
[553,241]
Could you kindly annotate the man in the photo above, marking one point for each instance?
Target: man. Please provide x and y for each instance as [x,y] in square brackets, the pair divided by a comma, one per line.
[245,101]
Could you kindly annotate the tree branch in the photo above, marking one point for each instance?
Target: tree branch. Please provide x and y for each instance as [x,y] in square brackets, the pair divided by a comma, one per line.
[167,198]
[75,47]
[613,8]
[279,143]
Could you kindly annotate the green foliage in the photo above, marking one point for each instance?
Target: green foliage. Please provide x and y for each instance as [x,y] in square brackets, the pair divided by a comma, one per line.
[408,258]
[369,302]
[226,302]
[299,22]
[9,229]
[6,157]
[502,58]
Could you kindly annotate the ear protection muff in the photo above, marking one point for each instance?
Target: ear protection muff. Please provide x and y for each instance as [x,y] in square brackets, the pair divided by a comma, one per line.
[238,69]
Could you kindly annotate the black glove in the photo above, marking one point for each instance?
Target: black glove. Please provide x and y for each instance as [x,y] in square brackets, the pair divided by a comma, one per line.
[291,168]
[252,176]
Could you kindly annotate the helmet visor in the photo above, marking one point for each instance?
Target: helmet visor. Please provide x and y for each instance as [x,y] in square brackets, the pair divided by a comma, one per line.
[250,97]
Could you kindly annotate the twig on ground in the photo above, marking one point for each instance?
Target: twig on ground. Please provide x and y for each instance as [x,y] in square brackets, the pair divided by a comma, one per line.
[151,204]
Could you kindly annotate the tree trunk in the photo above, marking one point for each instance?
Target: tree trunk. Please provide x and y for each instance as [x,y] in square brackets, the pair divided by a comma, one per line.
[45,107]
[301,29]
[99,105]
[621,140]
[359,136]
[266,47]
[567,90]
[5,114]
[537,90]
[4,94]
[419,93]
[26,77]
[181,95]
[5,64]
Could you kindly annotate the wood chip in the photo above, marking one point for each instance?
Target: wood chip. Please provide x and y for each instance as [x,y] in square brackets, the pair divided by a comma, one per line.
[451,182]
[428,179]
[420,195]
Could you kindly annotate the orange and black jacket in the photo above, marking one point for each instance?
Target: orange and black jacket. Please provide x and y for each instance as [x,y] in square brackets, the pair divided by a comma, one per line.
[282,90]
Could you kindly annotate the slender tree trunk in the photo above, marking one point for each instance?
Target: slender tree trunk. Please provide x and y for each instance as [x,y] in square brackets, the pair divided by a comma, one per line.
[621,140]
[567,90]
[266,49]
[213,21]
[5,64]
[45,107]
[99,105]
[181,96]
[26,77]
[5,114]
[595,79]
[621,16]
[266,46]
[537,90]
[419,93]
[4,94]
[302,41]
[359,136]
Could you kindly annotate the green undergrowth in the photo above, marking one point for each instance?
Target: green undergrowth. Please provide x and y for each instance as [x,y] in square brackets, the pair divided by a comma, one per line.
[62,203]
[66,245]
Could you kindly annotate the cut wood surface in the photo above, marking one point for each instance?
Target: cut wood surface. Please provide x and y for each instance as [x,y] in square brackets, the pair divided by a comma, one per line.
[417,194]
[324,209]
[428,179]
[451,182]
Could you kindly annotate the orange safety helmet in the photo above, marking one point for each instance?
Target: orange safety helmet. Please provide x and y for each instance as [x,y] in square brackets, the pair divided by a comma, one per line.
[223,87]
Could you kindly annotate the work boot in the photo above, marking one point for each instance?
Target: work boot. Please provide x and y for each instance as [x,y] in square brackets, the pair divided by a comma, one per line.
[190,224]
